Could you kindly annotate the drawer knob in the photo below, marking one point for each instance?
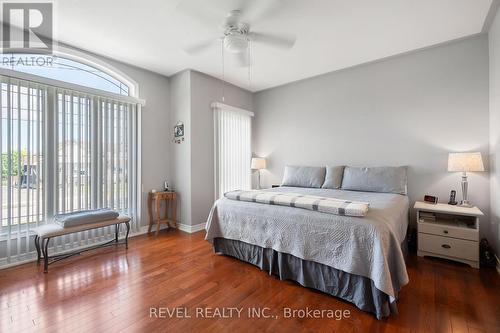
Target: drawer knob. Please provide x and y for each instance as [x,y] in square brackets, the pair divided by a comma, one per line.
[446,246]
[445,231]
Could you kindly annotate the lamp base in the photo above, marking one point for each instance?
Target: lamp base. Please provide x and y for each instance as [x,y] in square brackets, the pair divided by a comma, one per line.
[465,203]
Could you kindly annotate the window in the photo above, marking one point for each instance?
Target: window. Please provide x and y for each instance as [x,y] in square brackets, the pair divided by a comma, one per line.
[232,148]
[78,169]
[63,149]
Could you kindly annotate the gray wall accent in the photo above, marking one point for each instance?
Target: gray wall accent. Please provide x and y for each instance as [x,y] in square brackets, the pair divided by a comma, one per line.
[494,49]
[192,93]
[407,110]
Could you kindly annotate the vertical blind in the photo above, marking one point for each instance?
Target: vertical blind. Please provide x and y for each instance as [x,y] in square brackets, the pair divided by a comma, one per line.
[62,150]
[92,153]
[22,132]
[232,141]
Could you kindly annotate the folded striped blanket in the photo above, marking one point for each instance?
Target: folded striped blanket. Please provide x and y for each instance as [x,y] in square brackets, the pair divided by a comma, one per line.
[310,202]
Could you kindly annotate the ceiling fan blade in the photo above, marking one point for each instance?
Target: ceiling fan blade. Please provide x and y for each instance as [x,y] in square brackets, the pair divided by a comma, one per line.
[242,59]
[283,42]
[254,11]
[199,47]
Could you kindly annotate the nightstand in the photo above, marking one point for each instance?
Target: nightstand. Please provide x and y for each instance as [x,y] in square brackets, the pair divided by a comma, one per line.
[450,232]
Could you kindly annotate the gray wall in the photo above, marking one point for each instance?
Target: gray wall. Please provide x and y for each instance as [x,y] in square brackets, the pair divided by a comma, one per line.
[494,48]
[180,159]
[407,110]
[193,160]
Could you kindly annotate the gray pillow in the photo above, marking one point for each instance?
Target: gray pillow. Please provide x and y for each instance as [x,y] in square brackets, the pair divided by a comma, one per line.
[333,178]
[375,179]
[303,176]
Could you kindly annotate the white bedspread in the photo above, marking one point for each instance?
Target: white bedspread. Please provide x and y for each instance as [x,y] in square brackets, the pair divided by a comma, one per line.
[369,246]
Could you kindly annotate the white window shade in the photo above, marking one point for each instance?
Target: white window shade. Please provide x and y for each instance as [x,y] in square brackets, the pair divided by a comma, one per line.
[233,153]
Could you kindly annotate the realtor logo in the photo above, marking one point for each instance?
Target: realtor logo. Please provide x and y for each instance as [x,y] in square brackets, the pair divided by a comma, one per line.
[27,27]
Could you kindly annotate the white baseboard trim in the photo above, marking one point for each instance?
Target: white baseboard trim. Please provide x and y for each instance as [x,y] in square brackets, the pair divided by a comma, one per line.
[191,228]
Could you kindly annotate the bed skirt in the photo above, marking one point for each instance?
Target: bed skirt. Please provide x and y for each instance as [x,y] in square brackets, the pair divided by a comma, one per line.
[356,289]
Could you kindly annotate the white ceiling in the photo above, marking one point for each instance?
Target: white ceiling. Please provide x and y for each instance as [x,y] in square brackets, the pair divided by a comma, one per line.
[331,34]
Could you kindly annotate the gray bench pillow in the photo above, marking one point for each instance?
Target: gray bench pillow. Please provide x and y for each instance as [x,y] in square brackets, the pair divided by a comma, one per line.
[375,179]
[333,178]
[303,176]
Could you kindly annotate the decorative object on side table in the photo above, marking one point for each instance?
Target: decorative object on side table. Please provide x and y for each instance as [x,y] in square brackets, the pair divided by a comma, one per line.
[453,195]
[258,163]
[465,162]
[450,232]
[430,199]
[154,200]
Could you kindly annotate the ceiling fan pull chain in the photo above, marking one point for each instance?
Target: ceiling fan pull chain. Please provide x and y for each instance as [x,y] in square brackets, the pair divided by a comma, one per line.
[223,70]
[249,64]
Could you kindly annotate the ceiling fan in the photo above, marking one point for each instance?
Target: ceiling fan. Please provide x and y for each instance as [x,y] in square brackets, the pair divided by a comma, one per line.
[237,34]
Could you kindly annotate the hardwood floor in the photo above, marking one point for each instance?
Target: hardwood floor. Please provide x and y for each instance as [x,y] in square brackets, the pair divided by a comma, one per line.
[113,290]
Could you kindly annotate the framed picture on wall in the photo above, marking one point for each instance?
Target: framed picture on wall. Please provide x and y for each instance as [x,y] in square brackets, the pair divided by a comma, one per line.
[179,130]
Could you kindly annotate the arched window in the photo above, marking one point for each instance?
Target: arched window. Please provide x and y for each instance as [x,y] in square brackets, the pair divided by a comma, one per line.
[64,69]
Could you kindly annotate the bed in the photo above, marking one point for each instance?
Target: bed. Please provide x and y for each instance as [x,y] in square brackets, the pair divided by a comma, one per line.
[358,259]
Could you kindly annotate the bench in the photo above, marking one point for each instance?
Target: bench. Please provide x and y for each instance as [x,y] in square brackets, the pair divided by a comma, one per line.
[45,233]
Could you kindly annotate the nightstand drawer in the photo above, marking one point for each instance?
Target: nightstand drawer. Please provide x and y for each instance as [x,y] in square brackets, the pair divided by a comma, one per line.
[457,248]
[448,231]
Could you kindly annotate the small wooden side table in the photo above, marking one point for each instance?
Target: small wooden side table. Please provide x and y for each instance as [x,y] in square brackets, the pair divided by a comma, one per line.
[154,200]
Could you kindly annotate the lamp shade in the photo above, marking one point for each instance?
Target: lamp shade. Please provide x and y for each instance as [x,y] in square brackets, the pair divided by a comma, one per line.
[258,163]
[465,162]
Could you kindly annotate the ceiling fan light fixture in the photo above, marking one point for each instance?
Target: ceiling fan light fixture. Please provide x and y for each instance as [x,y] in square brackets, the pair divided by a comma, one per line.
[236,43]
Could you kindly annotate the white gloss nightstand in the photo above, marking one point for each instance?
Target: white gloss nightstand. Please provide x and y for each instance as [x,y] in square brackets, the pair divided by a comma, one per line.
[450,232]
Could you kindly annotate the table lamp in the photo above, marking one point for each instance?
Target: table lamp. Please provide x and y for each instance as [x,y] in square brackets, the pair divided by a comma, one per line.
[465,162]
[258,163]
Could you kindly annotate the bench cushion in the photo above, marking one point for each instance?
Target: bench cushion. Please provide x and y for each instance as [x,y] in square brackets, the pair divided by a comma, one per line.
[53,229]
[73,219]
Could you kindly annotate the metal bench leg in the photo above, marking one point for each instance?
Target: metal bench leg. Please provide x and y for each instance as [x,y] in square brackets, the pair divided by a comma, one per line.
[117,231]
[126,236]
[37,246]
[45,255]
